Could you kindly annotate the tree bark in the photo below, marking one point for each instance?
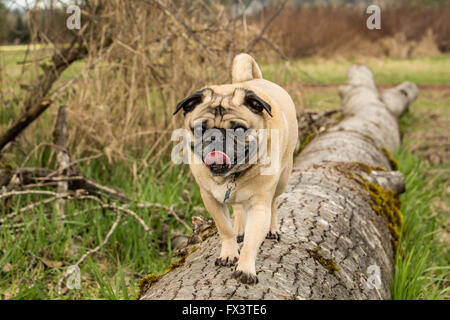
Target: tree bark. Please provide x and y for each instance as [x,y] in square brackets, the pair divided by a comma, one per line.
[338,218]
[36,102]
[62,156]
[23,122]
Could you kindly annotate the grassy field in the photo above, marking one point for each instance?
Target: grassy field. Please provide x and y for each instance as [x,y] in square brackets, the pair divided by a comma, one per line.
[435,70]
[34,256]
[422,262]
[422,268]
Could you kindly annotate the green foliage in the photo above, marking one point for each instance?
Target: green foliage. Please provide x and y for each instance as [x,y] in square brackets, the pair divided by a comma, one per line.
[422,260]
[114,271]
[431,70]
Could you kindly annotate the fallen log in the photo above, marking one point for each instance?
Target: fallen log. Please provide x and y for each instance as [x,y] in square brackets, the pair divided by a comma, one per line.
[339,217]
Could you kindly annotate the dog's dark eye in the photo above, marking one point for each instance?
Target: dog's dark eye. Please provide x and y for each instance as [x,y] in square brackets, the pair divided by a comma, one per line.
[240,129]
[236,126]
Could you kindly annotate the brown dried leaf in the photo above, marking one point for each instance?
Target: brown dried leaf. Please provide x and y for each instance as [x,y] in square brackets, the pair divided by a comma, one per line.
[52,264]
[7,267]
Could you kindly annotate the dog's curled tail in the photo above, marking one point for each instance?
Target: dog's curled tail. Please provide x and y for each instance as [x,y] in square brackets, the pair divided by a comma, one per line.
[244,68]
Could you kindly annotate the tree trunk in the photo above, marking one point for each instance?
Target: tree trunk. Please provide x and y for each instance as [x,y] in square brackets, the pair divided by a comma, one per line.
[62,157]
[339,217]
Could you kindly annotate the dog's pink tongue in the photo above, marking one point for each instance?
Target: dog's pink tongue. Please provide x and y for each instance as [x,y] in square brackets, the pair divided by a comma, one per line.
[217,157]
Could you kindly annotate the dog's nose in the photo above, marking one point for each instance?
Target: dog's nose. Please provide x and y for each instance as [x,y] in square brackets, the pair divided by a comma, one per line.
[217,158]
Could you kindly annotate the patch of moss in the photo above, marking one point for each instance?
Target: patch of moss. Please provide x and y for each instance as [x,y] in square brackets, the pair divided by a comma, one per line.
[384,202]
[146,283]
[150,279]
[328,264]
[348,168]
[305,141]
[392,161]
[176,264]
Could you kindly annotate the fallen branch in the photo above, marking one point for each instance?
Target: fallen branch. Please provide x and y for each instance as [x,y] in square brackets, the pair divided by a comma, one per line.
[62,157]
[91,251]
[23,122]
[36,103]
[39,98]
[259,36]
[32,206]
[38,177]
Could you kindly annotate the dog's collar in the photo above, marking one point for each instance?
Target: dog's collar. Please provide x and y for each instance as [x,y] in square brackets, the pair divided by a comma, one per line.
[230,185]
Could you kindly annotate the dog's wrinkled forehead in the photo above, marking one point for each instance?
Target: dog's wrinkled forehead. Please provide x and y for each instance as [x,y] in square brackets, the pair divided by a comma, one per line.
[224,98]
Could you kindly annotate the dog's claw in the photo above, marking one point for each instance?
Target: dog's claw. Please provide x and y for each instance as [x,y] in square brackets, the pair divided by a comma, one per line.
[273,235]
[226,261]
[245,277]
[240,238]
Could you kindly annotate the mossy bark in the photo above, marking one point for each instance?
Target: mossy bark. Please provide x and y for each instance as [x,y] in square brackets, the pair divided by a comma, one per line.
[338,217]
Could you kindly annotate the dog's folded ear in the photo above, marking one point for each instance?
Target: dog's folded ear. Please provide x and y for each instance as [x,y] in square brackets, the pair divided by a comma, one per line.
[189,103]
[255,103]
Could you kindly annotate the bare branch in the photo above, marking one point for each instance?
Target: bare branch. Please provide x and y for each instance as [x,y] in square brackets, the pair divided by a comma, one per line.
[91,251]
[62,156]
[256,39]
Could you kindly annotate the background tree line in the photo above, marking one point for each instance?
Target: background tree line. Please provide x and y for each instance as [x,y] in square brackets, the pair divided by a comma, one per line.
[46,21]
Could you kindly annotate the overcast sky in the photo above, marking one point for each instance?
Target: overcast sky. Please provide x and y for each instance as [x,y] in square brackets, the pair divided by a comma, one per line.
[21,4]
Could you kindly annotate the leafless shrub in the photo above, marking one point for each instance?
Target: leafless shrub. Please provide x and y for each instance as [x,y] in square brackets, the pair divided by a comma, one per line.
[143,57]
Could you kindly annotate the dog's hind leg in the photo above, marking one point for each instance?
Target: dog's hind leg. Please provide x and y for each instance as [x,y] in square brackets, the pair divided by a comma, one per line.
[274,231]
[229,252]
[239,221]
[256,228]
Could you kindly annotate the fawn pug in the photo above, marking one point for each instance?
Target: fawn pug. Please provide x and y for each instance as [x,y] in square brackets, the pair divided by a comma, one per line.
[215,118]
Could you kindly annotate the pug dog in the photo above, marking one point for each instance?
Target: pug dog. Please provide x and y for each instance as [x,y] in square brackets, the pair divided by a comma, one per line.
[215,117]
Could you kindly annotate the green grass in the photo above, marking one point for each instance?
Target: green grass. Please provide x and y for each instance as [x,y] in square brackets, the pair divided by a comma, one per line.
[21,47]
[17,69]
[386,70]
[422,261]
[114,271]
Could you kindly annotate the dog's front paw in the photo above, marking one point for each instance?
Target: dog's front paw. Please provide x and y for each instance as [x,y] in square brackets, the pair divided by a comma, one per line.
[226,261]
[229,254]
[245,277]
[274,235]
